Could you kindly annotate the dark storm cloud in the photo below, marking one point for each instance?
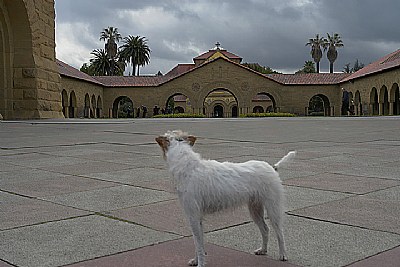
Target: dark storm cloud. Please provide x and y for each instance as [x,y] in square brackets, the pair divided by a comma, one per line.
[270,32]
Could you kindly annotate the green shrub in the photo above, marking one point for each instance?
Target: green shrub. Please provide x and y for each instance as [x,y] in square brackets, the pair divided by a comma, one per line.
[180,115]
[270,114]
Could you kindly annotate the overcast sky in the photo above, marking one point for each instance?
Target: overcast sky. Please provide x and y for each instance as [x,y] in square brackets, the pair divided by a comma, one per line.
[269,32]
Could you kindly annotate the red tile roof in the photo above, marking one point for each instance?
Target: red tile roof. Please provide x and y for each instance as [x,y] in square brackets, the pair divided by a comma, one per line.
[385,63]
[308,78]
[179,69]
[70,71]
[127,81]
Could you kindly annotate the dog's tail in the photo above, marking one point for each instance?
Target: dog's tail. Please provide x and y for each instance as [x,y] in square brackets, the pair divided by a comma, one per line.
[285,159]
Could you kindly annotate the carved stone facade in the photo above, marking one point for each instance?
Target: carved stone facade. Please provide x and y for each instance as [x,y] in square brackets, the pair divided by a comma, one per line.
[29,77]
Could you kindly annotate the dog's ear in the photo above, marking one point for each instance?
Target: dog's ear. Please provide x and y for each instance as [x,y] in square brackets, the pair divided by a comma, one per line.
[162,141]
[191,139]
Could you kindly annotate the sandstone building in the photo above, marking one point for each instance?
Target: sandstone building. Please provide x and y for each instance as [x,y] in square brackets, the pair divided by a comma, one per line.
[33,84]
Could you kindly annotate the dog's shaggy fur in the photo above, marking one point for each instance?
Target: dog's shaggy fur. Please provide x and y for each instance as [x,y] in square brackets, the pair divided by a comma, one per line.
[207,186]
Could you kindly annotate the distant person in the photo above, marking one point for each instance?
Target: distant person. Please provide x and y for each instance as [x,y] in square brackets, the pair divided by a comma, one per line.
[156,110]
[144,111]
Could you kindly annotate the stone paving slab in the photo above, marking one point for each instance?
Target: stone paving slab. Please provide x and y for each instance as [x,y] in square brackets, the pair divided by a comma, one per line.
[147,177]
[74,240]
[24,184]
[158,216]
[3,264]
[311,242]
[112,198]
[342,183]
[305,197]
[390,194]
[390,258]
[17,211]
[177,253]
[85,167]
[359,211]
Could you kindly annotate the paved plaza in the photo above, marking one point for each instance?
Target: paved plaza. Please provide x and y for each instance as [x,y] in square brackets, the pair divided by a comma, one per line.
[89,193]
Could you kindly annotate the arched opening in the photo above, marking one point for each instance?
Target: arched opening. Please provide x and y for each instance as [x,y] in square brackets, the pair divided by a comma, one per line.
[319,106]
[177,103]
[384,101]
[373,101]
[64,102]
[86,108]
[72,105]
[15,57]
[99,107]
[395,99]
[358,104]
[264,100]
[220,103]
[258,109]
[235,111]
[93,107]
[123,108]
[218,111]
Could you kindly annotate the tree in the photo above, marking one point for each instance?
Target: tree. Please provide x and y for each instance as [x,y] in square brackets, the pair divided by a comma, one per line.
[111,36]
[143,55]
[356,67]
[316,44]
[135,52]
[309,67]
[332,42]
[102,65]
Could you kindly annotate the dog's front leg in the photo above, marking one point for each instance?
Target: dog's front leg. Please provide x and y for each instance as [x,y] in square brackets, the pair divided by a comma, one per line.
[197,231]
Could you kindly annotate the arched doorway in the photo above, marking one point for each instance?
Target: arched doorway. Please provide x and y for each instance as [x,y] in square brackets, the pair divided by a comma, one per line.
[72,105]
[373,102]
[15,29]
[99,107]
[263,101]
[177,103]
[220,103]
[358,104]
[93,107]
[395,99]
[86,108]
[384,101]
[218,111]
[123,108]
[319,106]
[64,102]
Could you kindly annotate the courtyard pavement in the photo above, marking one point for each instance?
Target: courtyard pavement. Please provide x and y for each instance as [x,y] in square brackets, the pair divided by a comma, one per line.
[86,193]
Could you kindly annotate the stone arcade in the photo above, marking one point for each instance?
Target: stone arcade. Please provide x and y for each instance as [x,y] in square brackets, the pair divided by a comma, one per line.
[34,85]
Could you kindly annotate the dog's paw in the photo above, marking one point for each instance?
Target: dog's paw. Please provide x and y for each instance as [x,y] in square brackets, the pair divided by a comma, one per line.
[193,262]
[260,251]
[283,258]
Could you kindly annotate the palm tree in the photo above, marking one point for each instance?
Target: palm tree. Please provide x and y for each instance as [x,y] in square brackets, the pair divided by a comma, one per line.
[102,65]
[316,44]
[143,55]
[332,42]
[111,35]
[135,51]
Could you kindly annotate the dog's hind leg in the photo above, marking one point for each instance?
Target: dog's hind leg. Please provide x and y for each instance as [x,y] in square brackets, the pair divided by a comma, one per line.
[256,209]
[275,214]
[197,230]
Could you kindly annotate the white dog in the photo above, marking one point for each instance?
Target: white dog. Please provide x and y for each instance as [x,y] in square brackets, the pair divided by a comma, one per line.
[207,186]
